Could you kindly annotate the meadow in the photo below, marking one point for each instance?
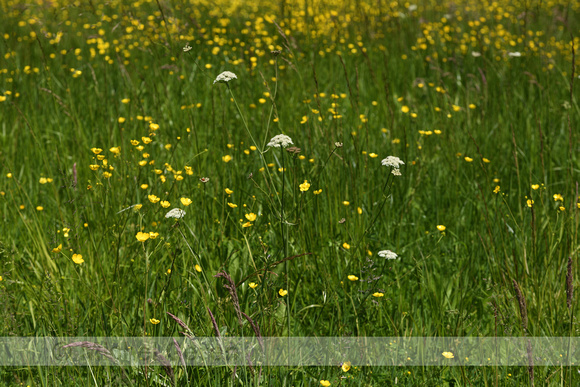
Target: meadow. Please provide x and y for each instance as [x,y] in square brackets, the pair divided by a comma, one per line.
[425,183]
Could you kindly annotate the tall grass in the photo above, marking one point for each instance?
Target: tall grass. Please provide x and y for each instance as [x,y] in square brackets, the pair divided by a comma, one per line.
[484,217]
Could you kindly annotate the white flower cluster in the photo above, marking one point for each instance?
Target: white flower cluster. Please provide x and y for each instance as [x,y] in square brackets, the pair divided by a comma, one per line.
[387,254]
[392,161]
[187,48]
[225,77]
[280,140]
[176,213]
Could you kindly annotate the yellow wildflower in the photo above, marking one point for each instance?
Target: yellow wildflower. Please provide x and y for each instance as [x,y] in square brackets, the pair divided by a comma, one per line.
[142,236]
[345,366]
[78,259]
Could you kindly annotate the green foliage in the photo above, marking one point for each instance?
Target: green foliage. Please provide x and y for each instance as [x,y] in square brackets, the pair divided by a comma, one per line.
[488,192]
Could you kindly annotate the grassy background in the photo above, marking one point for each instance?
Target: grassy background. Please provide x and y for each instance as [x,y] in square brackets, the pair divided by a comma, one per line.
[381,78]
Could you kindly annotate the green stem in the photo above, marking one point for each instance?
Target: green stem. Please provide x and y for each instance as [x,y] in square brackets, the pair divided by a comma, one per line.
[260,150]
[284,244]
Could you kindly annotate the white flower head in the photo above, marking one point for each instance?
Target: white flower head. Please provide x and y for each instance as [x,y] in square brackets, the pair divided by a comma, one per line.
[475,54]
[396,172]
[387,254]
[392,161]
[515,54]
[280,140]
[187,48]
[176,213]
[225,77]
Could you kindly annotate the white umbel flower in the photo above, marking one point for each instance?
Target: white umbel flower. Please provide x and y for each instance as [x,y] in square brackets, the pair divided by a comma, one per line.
[392,161]
[176,213]
[225,77]
[396,172]
[387,254]
[280,140]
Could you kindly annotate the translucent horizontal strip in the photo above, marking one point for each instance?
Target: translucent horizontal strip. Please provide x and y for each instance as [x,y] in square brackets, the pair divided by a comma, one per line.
[289,351]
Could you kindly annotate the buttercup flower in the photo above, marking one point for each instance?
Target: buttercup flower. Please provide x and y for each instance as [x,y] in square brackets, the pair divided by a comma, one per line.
[154,321]
[448,355]
[280,140]
[142,236]
[225,77]
[282,292]
[352,277]
[176,213]
[387,254]
[304,186]
[392,161]
[78,259]
[345,366]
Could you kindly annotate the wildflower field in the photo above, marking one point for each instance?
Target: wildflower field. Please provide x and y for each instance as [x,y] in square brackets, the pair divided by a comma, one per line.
[277,169]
